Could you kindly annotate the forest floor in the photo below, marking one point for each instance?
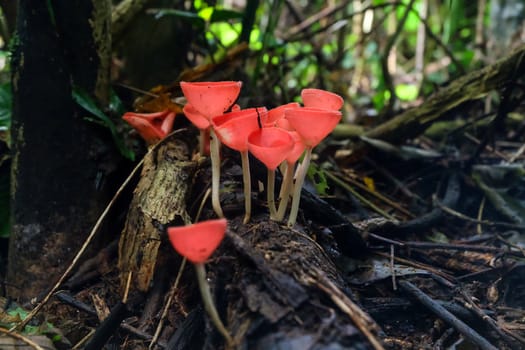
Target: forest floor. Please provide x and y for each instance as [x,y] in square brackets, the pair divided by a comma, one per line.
[408,245]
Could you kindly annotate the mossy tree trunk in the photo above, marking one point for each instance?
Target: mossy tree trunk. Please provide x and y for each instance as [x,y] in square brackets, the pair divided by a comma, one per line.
[60,160]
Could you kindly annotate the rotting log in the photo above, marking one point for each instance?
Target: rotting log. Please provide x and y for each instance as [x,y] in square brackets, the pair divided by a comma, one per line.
[282,290]
[274,287]
[471,86]
[159,200]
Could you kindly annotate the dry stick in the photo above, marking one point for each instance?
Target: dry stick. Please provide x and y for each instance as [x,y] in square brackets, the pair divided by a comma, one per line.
[504,333]
[446,316]
[373,193]
[128,285]
[177,280]
[448,246]
[418,265]
[390,177]
[362,320]
[83,341]
[482,222]
[487,147]
[392,269]
[28,341]
[345,186]
[69,300]
[167,305]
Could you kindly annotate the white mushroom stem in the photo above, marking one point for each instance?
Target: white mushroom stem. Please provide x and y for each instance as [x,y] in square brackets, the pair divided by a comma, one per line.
[215,174]
[209,305]
[270,194]
[286,188]
[301,174]
[246,178]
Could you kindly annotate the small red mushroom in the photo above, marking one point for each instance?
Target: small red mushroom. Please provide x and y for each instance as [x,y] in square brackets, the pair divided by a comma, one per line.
[197,243]
[152,127]
[313,125]
[212,99]
[271,146]
[321,99]
[233,130]
[202,123]
[277,113]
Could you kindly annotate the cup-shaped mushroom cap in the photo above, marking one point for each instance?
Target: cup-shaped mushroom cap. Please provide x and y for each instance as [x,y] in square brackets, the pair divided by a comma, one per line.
[152,127]
[270,145]
[234,128]
[277,113]
[195,117]
[321,99]
[197,242]
[211,98]
[313,124]
[298,148]
[283,123]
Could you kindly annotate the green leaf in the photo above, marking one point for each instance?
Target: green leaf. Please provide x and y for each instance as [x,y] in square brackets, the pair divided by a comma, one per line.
[407,92]
[116,106]
[318,178]
[85,101]
[222,15]
[187,16]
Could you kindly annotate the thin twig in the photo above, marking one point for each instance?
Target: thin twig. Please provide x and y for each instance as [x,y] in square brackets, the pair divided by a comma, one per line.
[348,188]
[418,265]
[504,333]
[375,194]
[20,337]
[446,316]
[167,305]
[361,319]
[457,214]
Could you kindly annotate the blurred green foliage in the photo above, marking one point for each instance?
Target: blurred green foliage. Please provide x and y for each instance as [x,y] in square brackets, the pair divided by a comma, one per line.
[340,46]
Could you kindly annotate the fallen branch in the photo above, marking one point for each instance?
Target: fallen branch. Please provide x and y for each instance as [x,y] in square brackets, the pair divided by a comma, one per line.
[469,87]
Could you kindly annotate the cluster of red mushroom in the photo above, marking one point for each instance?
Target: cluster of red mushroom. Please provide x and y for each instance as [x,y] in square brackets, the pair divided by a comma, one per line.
[277,137]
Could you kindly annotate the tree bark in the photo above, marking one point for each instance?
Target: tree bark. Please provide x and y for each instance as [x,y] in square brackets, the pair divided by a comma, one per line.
[59,159]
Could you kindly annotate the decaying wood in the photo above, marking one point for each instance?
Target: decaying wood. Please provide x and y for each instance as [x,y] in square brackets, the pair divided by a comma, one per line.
[159,200]
[277,288]
[472,86]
